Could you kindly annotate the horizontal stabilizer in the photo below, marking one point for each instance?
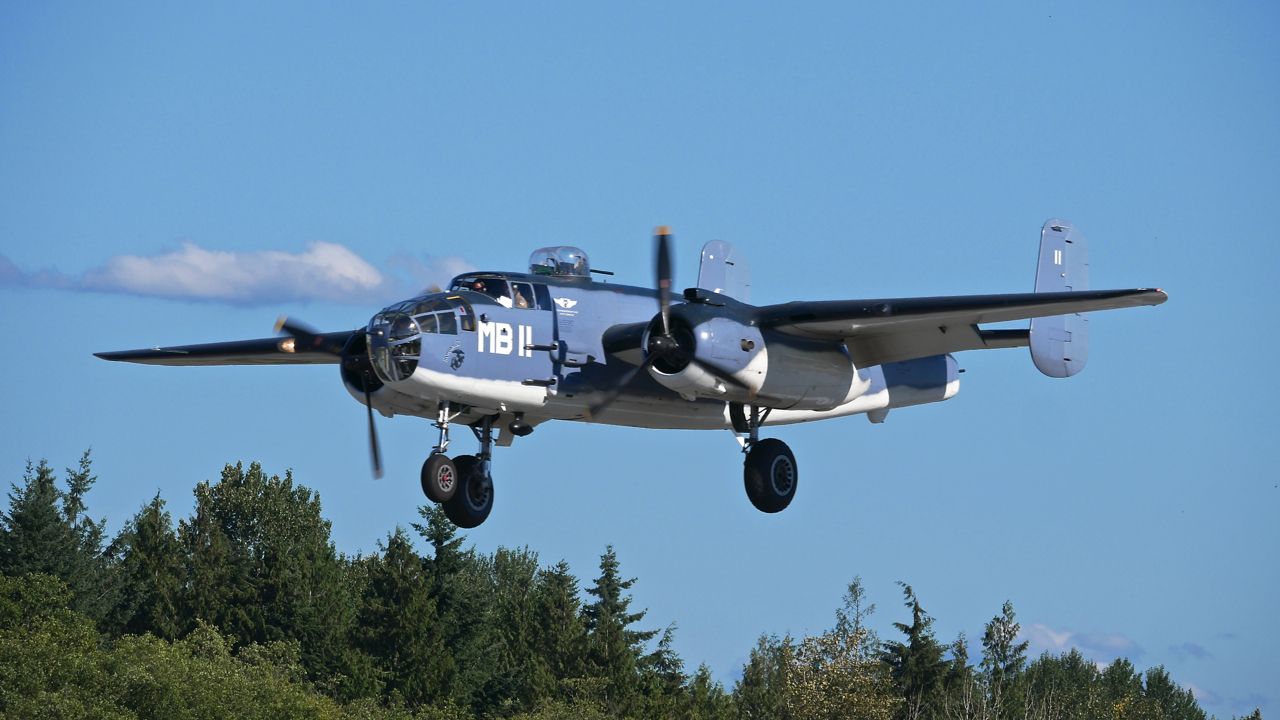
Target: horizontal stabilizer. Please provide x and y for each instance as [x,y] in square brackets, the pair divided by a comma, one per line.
[1060,343]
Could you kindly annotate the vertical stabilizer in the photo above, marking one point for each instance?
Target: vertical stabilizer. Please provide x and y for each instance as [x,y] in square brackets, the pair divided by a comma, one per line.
[1060,344]
[724,272]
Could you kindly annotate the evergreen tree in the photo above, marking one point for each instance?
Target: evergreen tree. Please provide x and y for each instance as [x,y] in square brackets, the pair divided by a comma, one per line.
[399,625]
[150,574]
[459,581]
[1003,659]
[707,698]
[662,680]
[916,664]
[561,636]
[614,649]
[519,670]
[760,694]
[47,531]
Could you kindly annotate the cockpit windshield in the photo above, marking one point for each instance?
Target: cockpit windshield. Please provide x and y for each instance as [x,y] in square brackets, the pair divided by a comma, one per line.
[561,260]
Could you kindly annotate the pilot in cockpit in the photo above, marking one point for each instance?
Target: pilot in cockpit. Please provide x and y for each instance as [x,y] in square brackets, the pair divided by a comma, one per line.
[495,289]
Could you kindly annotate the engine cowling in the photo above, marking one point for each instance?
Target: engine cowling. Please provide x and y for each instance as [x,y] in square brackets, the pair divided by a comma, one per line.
[720,357]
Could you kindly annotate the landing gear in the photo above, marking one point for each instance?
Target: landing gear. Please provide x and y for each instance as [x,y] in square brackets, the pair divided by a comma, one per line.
[473,501]
[439,478]
[462,485]
[769,473]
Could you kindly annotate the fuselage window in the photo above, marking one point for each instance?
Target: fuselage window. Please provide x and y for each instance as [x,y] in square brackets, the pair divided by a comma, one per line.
[427,323]
[523,295]
[543,297]
[448,323]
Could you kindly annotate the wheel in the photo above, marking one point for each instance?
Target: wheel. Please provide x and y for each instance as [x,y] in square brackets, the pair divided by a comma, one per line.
[439,478]
[471,504]
[770,475]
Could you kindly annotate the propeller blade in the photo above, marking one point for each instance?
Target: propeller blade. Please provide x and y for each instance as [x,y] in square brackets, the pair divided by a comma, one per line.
[612,394]
[309,339]
[663,271]
[375,454]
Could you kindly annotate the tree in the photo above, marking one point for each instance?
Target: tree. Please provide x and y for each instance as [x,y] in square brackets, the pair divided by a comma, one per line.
[707,698]
[459,582]
[399,625]
[1003,659]
[916,664]
[560,635]
[47,531]
[760,693]
[262,568]
[614,649]
[150,574]
[839,674]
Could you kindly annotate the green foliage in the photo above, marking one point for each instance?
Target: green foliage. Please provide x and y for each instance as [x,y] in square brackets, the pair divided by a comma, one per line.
[149,574]
[613,648]
[261,567]
[1003,659]
[761,692]
[47,531]
[247,611]
[916,665]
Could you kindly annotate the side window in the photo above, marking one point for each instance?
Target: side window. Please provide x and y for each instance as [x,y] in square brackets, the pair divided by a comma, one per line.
[522,295]
[464,315]
[427,324]
[544,297]
[448,323]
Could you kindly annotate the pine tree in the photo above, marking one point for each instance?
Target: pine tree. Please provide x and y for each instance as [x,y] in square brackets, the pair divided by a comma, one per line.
[458,583]
[150,573]
[399,625]
[760,694]
[561,636]
[917,665]
[614,650]
[47,531]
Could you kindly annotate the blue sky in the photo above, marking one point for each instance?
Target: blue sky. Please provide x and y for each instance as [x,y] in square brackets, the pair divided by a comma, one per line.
[321,160]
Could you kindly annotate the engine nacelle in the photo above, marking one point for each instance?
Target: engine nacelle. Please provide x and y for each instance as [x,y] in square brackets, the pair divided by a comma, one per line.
[723,359]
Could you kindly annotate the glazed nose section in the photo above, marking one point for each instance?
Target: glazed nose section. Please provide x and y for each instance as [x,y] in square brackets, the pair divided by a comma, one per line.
[394,345]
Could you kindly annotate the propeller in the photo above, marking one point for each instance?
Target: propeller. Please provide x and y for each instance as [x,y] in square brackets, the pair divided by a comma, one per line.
[307,339]
[661,346]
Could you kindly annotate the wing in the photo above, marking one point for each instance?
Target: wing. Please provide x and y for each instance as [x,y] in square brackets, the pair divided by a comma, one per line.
[263,351]
[892,330]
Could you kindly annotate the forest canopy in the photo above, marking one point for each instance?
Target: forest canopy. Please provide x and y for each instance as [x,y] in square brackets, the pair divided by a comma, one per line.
[246,609]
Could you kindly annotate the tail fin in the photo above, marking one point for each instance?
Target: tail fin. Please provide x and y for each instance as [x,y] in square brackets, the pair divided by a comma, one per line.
[1060,344]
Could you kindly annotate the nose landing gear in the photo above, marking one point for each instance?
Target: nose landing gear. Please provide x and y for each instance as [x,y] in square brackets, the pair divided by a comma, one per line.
[463,485]
[769,472]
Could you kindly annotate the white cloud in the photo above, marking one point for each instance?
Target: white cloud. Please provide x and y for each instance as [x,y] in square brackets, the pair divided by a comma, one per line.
[323,271]
[1102,648]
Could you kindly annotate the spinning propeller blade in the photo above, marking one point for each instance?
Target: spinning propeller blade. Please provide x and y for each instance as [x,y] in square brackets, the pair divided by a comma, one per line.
[308,338]
[663,272]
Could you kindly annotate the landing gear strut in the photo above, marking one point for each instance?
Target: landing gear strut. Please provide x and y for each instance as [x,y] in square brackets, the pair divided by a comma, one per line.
[769,473]
[463,485]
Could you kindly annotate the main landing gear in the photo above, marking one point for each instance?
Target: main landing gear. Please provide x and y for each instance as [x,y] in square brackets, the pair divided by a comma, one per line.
[769,472]
[463,485]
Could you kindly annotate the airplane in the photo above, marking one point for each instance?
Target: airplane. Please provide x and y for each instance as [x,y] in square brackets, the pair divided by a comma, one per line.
[507,351]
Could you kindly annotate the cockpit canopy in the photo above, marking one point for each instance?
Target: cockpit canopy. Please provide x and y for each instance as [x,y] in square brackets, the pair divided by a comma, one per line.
[561,260]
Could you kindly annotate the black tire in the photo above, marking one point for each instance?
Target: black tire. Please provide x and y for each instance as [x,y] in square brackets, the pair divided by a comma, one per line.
[473,501]
[770,475]
[439,478]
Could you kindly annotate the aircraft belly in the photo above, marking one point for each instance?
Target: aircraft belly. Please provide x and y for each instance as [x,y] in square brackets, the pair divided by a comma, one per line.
[502,395]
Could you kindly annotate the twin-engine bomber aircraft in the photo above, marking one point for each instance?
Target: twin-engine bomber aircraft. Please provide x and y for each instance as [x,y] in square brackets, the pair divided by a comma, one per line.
[507,351]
